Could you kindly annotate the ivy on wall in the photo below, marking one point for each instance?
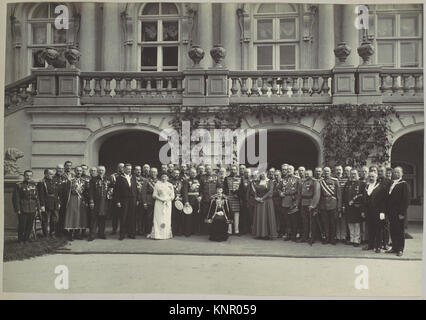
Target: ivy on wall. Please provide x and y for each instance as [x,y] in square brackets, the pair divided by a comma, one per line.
[352,133]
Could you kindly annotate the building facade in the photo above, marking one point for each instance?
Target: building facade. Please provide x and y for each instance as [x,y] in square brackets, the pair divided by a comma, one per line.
[141,61]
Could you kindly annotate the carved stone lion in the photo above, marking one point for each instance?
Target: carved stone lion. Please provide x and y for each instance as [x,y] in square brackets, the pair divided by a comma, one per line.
[11,157]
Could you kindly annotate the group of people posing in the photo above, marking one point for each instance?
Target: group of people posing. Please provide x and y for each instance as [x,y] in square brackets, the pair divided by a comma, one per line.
[369,204]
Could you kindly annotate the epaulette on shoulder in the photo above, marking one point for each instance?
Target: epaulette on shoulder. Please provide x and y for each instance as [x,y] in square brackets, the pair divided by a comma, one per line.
[333,178]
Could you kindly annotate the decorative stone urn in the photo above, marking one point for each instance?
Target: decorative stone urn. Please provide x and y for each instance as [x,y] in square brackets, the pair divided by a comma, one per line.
[342,51]
[196,54]
[218,53]
[72,54]
[53,57]
[365,51]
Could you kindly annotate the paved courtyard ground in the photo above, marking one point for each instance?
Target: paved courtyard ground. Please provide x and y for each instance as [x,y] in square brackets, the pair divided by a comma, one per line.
[239,246]
[241,266]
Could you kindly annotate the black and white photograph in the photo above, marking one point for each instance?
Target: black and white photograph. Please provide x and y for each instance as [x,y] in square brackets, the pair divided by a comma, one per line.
[212,149]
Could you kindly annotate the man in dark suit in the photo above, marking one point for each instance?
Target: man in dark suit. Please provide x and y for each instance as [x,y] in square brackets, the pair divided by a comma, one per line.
[375,201]
[399,195]
[126,198]
[386,182]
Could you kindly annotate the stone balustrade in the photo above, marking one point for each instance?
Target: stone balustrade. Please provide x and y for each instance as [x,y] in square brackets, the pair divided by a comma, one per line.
[401,85]
[215,86]
[20,92]
[131,87]
[281,86]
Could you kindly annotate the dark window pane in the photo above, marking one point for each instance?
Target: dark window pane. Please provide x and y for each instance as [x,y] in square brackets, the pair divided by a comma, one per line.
[170,31]
[287,57]
[264,58]
[287,29]
[151,9]
[170,58]
[41,11]
[39,33]
[168,8]
[409,54]
[59,35]
[149,58]
[264,29]
[149,31]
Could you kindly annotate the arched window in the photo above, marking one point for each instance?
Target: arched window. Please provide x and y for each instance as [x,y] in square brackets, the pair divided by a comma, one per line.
[42,31]
[159,37]
[276,38]
[397,30]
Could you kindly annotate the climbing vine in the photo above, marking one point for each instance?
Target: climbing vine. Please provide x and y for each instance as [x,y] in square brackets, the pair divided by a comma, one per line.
[351,134]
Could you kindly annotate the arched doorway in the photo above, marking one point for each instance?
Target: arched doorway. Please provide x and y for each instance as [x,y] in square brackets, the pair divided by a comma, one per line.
[407,152]
[295,148]
[135,147]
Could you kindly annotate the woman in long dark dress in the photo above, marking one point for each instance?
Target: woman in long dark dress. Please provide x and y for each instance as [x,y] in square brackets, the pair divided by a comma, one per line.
[219,216]
[264,222]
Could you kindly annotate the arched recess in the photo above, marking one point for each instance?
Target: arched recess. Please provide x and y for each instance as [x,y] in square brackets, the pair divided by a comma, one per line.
[98,138]
[407,151]
[295,144]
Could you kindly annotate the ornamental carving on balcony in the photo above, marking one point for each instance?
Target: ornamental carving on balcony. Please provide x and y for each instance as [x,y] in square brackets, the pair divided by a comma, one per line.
[218,54]
[342,51]
[11,157]
[365,51]
[196,53]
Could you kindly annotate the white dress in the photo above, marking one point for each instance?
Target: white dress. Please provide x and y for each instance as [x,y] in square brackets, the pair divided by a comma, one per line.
[162,224]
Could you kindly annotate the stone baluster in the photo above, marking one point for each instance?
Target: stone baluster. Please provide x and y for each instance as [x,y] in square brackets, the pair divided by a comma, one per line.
[254,89]
[179,87]
[97,88]
[128,90]
[295,86]
[315,85]
[244,88]
[325,87]
[87,88]
[234,87]
[305,86]
[405,83]
[149,90]
[169,86]
[118,91]
[395,85]
[284,86]
[264,88]
[107,88]
[274,88]
[418,85]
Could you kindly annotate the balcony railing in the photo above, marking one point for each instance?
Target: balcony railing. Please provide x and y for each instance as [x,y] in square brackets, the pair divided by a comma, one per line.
[299,86]
[217,86]
[131,87]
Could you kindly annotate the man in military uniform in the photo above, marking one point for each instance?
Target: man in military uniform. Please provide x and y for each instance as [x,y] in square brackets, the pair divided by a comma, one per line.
[68,170]
[191,196]
[201,171]
[363,174]
[330,205]
[231,190]
[98,203]
[164,170]
[84,175]
[290,197]
[352,199]
[302,172]
[310,192]
[148,201]
[208,184]
[26,203]
[242,169]
[184,171]
[177,215]
[115,211]
[145,170]
[48,191]
[318,173]
[60,179]
[140,210]
[341,226]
